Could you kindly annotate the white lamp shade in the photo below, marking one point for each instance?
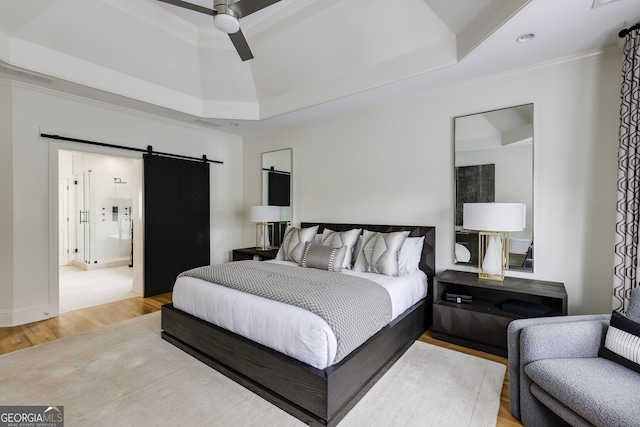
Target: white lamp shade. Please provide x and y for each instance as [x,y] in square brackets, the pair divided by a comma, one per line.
[494,216]
[226,23]
[264,214]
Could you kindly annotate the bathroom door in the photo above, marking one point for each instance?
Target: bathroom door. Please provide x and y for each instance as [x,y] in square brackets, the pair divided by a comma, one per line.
[176,220]
[83,225]
[63,221]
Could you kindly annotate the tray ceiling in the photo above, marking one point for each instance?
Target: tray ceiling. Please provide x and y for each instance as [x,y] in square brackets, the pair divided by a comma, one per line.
[312,58]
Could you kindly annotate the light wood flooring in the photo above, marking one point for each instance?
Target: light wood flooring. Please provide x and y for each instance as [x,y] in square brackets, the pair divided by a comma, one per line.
[70,323]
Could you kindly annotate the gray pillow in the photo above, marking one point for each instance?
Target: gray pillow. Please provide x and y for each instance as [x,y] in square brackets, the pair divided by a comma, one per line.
[337,239]
[323,257]
[379,252]
[293,242]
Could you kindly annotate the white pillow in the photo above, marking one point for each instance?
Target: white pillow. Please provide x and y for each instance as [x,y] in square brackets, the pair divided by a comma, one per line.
[410,254]
[342,238]
[379,252]
[292,246]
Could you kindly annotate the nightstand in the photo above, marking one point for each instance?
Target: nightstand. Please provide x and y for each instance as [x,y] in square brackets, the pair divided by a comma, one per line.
[482,323]
[254,254]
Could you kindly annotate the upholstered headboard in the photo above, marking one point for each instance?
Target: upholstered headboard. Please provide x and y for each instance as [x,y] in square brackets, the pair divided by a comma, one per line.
[428,259]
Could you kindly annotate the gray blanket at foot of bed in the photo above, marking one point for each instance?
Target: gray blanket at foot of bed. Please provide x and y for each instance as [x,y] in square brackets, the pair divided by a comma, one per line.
[354,308]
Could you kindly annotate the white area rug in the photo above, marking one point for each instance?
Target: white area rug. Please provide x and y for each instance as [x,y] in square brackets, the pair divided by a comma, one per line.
[126,375]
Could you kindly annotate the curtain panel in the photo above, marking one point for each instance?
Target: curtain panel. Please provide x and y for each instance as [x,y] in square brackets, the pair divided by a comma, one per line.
[628,203]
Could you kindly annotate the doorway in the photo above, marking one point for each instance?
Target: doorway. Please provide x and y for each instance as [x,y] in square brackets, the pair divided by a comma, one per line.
[97,194]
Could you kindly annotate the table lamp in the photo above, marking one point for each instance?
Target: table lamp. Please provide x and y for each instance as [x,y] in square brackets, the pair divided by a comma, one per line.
[494,221]
[262,216]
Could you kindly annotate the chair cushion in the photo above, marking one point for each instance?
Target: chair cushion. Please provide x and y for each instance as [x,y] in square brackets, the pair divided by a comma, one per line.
[599,390]
[563,412]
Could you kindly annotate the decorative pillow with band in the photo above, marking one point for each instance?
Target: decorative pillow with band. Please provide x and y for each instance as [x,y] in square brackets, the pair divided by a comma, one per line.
[378,252]
[323,257]
[293,242]
[622,343]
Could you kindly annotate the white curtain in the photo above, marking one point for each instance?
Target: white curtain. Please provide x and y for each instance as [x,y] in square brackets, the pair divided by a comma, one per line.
[628,205]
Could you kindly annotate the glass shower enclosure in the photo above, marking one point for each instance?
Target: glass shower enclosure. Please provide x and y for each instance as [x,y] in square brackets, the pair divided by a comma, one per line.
[104,227]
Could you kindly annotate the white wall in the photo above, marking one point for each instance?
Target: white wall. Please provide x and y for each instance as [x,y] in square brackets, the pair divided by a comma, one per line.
[34,198]
[6,190]
[394,164]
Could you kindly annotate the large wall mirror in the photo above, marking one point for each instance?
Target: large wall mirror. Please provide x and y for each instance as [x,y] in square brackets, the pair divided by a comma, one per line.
[494,163]
[276,185]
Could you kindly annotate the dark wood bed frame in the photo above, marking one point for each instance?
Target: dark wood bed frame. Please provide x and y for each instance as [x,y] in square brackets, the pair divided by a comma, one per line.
[316,397]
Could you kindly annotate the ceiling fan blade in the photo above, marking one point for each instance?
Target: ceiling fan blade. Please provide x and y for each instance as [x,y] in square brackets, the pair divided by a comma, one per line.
[190,6]
[241,45]
[247,7]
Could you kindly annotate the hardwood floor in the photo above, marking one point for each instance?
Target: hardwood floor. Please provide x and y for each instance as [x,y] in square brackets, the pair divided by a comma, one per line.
[19,337]
[73,322]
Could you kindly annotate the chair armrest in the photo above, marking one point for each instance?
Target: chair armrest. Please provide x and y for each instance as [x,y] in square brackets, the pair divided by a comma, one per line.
[516,348]
[562,340]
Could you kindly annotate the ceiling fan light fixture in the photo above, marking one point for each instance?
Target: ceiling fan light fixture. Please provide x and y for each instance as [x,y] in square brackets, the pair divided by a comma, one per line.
[226,23]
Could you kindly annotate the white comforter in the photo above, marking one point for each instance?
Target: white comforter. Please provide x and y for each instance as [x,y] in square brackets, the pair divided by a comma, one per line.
[288,329]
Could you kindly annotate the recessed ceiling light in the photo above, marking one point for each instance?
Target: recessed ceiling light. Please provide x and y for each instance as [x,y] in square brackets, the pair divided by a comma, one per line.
[527,37]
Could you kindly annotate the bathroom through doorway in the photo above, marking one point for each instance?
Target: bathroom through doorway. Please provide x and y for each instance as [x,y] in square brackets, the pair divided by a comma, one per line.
[97,198]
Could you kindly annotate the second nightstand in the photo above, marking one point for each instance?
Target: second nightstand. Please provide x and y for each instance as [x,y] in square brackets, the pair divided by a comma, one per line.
[245,254]
[482,322]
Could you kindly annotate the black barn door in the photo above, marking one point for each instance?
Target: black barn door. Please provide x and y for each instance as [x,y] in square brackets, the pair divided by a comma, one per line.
[176,220]
[279,189]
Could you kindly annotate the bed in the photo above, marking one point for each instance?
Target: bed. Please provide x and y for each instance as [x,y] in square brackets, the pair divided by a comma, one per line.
[315,396]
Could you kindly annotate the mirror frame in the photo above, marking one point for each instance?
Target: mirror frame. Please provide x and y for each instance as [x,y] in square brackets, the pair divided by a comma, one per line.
[281,162]
[513,129]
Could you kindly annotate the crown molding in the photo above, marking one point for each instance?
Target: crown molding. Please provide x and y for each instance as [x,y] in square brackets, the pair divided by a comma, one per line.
[152,14]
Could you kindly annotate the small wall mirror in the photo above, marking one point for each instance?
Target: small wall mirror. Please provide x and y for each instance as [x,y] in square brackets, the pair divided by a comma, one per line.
[276,186]
[494,163]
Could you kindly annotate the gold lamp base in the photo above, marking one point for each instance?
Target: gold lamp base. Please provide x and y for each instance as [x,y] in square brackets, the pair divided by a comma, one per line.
[263,240]
[493,255]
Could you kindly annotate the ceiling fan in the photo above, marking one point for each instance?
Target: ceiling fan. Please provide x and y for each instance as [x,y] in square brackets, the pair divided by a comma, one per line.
[226,14]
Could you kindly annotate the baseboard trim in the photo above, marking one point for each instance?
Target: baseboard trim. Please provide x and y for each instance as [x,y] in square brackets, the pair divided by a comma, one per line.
[10,318]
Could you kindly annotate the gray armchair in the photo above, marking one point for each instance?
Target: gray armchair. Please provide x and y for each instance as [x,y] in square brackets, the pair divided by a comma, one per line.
[556,377]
